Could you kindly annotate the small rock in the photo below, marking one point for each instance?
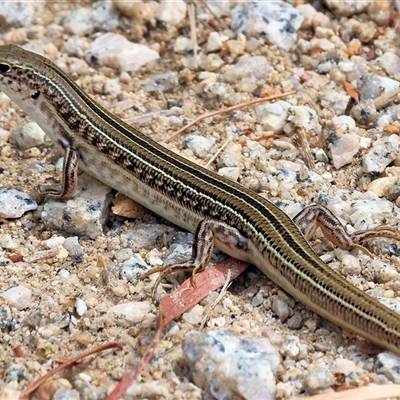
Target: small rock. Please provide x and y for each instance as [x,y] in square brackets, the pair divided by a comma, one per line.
[383,152]
[321,20]
[61,255]
[130,314]
[64,393]
[115,51]
[335,101]
[249,68]
[220,9]
[387,273]
[350,265]
[15,372]
[303,116]
[321,156]
[365,112]
[112,87]
[214,42]
[50,330]
[231,155]
[344,120]
[231,173]
[343,149]
[323,44]
[257,300]
[366,214]
[93,271]
[324,67]
[295,321]
[161,83]
[236,47]
[7,242]
[5,319]
[18,297]
[359,68]
[181,251]
[308,12]
[279,21]
[365,31]
[318,378]
[393,304]
[80,307]
[387,116]
[134,268]
[290,347]
[8,392]
[280,308]
[344,366]
[55,241]
[84,214]
[88,391]
[171,11]
[143,236]
[382,186]
[123,255]
[14,204]
[381,12]
[218,360]
[346,8]
[155,261]
[5,261]
[285,390]
[389,62]
[83,21]
[74,249]
[191,318]
[29,135]
[273,116]
[4,135]
[138,9]
[388,364]
[370,86]
[17,13]
[182,45]
[210,62]
[200,145]
[215,90]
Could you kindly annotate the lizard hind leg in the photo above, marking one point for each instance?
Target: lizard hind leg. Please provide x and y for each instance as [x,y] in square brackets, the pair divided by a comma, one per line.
[317,216]
[209,233]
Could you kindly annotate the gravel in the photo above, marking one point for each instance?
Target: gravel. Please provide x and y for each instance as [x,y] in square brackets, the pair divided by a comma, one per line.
[69,270]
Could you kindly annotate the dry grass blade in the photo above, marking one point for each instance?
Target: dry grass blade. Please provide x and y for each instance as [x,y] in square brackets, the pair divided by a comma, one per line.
[142,119]
[175,304]
[186,296]
[215,23]
[217,300]
[224,110]
[73,360]
[267,136]
[193,36]
[218,152]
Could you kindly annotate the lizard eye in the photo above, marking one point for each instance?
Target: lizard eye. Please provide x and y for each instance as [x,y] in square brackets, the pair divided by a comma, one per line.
[4,68]
[35,95]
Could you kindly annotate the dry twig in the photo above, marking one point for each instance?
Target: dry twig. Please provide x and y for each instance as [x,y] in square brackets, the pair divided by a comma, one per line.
[224,110]
[193,36]
[211,160]
[73,360]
